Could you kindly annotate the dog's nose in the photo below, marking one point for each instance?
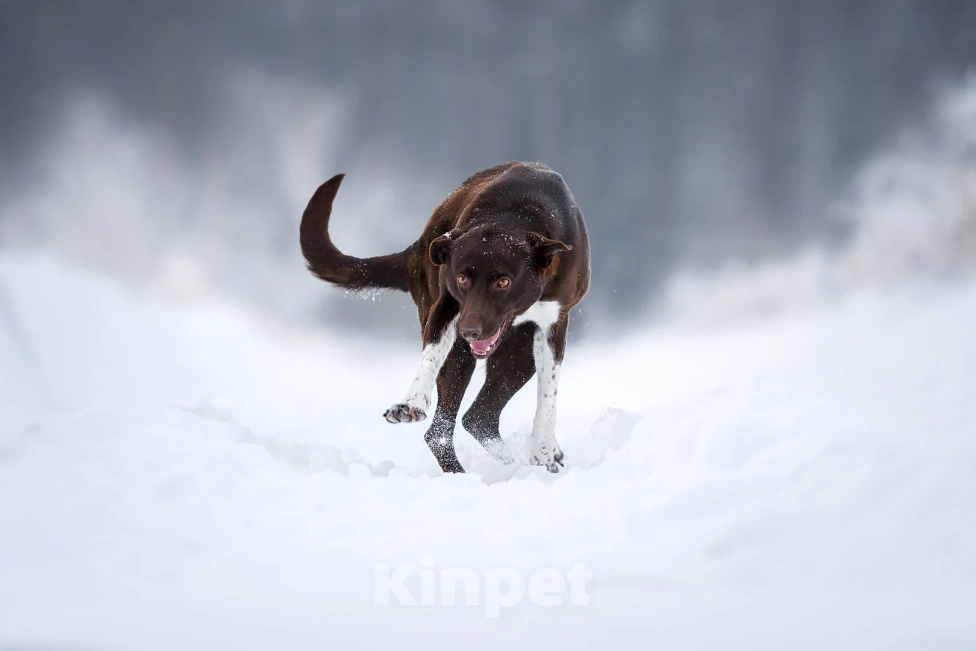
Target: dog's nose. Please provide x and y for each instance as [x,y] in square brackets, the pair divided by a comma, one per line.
[470,330]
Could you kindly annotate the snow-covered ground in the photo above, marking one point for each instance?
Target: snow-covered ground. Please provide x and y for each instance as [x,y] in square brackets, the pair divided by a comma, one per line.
[190,477]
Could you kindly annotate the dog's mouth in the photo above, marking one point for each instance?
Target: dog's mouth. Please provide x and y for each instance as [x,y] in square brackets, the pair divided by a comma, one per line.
[483,347]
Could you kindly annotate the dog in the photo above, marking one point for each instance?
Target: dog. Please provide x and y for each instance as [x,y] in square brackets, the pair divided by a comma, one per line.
[495,272]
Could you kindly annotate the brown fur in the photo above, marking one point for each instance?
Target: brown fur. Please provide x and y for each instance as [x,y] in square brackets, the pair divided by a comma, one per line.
[516,220]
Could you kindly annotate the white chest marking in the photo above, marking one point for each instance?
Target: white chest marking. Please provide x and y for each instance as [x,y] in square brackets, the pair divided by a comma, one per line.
[542,313]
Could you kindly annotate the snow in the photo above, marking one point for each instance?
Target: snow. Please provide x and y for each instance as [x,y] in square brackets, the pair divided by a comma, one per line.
[190,476]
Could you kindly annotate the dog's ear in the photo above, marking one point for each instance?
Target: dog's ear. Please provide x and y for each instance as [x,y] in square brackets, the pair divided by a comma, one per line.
[440,248]
[544,250]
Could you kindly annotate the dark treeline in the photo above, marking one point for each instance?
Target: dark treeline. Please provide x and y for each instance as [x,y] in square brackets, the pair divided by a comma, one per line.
[691,131]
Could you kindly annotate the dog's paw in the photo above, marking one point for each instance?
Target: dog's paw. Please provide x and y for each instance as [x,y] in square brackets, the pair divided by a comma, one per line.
[404,413]
[558,455]
[552,466]
[553,461]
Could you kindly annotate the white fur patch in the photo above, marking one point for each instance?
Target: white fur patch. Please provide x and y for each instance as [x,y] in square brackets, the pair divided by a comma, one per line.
[545,450]
[542,313]
[421,390]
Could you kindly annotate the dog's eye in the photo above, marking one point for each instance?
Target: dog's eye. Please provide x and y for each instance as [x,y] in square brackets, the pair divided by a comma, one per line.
[462,280]
[503,282]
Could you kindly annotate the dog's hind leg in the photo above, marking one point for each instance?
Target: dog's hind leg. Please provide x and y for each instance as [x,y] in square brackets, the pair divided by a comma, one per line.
[451,383]
[508,369]
[439,335]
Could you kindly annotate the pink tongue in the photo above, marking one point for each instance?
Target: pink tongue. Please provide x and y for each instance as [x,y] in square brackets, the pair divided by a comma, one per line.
[485,345]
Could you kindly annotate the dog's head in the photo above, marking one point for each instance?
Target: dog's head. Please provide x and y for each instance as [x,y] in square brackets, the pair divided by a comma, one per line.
[495,277]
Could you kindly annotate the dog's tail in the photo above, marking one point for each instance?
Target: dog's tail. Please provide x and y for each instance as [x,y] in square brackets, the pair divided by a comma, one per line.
[331,265]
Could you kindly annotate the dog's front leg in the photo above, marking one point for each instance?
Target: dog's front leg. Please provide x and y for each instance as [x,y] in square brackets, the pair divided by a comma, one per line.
[439,335]
[451,383]
[548,348]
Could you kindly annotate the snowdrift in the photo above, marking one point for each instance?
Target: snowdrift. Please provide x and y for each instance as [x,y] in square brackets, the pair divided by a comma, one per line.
[188,476]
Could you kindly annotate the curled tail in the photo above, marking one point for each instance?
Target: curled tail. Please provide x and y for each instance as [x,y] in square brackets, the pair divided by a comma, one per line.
[331,265]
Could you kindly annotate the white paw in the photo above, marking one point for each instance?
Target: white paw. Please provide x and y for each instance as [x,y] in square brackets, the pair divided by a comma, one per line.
[405,412]
[550,456]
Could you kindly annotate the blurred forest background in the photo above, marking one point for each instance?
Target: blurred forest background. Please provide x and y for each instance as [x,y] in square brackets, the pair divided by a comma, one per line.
[181,139]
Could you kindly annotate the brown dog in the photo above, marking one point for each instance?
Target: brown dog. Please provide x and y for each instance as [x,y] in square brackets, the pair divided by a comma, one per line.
[501,262]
